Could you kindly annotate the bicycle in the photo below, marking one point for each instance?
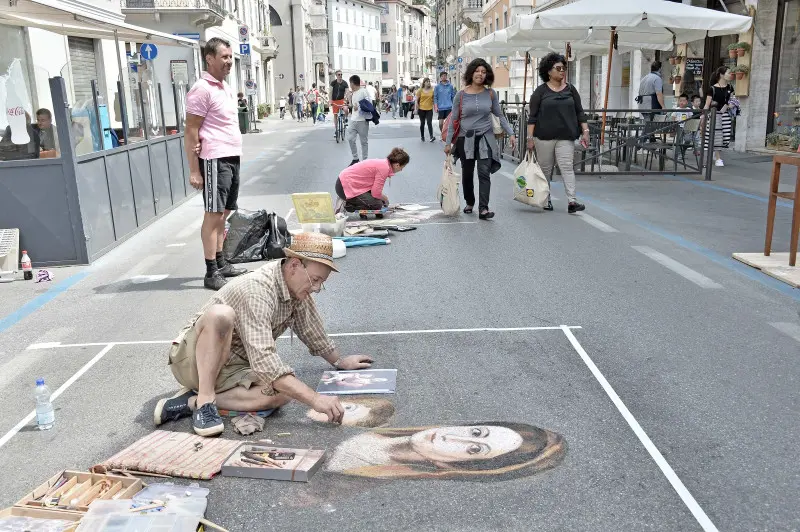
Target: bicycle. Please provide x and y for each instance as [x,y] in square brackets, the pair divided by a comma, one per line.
[341,124]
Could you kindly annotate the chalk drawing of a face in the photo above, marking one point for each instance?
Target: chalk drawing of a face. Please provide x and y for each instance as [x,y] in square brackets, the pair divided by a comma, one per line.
[367,412]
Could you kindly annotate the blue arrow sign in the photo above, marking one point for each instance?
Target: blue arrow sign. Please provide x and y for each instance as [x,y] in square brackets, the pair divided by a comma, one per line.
[149,51]
[244,49]
[460,59]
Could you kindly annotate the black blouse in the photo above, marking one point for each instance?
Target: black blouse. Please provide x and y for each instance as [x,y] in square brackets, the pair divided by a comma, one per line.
[720,95]
[557,114]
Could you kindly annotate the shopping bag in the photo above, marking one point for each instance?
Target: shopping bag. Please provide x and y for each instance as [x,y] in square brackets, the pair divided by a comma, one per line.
[530,184]
[447,194]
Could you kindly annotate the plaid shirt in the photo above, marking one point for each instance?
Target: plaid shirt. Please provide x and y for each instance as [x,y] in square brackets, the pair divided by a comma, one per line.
[264,310]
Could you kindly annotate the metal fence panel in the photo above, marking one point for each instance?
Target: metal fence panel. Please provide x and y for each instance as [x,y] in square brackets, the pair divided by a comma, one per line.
[98,222]
[120,190]
[176,156]
[159,171]
[139,158]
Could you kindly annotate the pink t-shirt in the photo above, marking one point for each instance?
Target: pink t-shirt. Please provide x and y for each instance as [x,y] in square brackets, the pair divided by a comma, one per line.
[216,103]
[369,175]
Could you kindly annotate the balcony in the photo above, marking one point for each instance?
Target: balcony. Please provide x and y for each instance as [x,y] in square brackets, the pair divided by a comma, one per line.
[211,11]
[473,10]
[269,47]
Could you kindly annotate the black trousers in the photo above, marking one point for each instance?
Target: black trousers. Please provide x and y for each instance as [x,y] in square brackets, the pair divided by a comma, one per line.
[425,116]
[364,201]
[468,175]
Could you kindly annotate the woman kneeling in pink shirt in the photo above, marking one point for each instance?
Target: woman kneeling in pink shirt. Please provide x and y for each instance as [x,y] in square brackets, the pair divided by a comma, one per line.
[360,186]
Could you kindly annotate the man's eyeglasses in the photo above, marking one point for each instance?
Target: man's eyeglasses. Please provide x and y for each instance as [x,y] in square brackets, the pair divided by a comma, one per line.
[559,68]
[314,288]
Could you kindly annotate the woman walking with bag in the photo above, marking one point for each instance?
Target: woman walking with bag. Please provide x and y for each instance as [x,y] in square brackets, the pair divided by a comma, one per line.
[719,95]
[424,105]
[470,132]
[555,122]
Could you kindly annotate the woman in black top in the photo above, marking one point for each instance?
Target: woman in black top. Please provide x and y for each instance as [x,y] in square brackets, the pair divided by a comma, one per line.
[719,94]
[556,120]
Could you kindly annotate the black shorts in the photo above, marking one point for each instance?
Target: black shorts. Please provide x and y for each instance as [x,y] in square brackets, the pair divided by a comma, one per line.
[444,113]
[220,183]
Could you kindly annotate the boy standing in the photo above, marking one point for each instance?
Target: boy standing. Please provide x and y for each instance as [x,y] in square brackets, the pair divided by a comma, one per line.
[359,122]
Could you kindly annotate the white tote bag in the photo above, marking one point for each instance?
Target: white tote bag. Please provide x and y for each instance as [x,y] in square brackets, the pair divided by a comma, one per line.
[447,194]
[530,184]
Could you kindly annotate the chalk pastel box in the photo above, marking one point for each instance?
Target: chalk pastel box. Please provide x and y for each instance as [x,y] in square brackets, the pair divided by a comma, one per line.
[306,462]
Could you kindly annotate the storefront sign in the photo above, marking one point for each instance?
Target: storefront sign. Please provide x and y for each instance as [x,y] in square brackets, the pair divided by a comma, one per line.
[179,69]
[694,65]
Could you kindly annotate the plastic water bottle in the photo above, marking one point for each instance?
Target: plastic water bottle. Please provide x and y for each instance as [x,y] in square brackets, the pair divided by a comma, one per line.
[45,417]
[27,267]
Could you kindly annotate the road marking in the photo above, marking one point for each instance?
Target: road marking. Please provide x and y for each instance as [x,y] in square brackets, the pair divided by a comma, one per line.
[421,224]
[267,169]
[289,214]
[190,229]
[281,158]
[655,454]
[591,220]
[684,271]
[39,301]
[289,152]
[31,416]
[141,279]
[792,330]
[178,245]
[141,266]
[55,345]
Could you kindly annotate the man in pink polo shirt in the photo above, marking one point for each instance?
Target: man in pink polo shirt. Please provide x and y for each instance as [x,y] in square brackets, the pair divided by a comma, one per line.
[211,121]
[360,185]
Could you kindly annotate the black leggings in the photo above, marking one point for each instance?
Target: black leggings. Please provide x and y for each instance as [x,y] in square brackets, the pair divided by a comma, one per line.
[468,175]
[425,116]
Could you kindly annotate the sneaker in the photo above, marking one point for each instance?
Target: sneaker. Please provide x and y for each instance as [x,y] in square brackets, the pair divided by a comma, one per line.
[174,408]
[229,270]
[432,139]
[719,163]
[214,282]
[206,420]
[574,207]
[422,139]
[354,161]
[549,206]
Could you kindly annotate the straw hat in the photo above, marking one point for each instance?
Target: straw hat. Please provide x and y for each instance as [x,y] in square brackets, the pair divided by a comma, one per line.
[312,246]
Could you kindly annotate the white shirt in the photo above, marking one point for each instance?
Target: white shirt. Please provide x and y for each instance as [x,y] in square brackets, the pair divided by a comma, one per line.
[282,102]
[372,92]
[357,115]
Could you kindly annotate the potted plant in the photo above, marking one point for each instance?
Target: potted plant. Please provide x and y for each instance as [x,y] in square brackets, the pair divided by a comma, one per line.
[741,71]
[672,60]
[742,48]
[732,50]
[773,139]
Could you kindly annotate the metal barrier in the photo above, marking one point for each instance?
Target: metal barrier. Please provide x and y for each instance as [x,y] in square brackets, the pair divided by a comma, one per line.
[633,141]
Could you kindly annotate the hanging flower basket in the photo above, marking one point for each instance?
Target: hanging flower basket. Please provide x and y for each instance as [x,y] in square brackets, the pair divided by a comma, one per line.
[739,76]
[733,50]
[742,48]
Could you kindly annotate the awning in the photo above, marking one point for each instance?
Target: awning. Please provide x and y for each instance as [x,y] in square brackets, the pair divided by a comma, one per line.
[50,16]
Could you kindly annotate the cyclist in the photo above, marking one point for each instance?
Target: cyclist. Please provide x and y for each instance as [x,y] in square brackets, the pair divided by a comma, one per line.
[339,89]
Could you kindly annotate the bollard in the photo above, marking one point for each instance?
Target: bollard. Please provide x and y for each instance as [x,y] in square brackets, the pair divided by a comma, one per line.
[711,125]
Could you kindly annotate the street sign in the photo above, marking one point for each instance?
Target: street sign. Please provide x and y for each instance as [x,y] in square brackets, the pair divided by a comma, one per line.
[179,69]
[460,59]
[281,76]
[244,33]
[244,49]
[452,67]
[301,76]
[192,36]
[149,51]
[250,87]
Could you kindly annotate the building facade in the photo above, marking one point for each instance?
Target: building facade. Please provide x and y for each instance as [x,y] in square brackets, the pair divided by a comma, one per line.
[408,50]
[355,38]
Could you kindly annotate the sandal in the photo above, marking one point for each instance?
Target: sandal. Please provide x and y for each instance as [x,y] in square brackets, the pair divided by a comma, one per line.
[486,215]
[468,209]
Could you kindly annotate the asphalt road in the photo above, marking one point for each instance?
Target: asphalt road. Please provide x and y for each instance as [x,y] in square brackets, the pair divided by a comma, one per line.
[676,390]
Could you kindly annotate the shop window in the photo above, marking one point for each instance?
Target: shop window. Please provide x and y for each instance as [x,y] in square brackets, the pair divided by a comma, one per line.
[786,118]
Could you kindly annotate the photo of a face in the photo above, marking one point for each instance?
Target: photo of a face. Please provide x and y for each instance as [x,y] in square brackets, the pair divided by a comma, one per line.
[482,451]
[352,380]
[366,412]
[358,382]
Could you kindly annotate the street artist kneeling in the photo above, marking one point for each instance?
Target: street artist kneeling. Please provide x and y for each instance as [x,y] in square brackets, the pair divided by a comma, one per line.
[226,355]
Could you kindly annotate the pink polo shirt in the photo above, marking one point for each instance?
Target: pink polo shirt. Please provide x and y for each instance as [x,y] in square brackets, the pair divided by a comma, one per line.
[215,101]
[369,175]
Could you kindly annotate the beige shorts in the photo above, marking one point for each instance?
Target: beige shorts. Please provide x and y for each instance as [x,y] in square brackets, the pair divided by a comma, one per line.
[182,362]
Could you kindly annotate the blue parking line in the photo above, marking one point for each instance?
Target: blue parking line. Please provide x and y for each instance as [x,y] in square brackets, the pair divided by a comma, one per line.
[42,299]
[762,199]
[726,262]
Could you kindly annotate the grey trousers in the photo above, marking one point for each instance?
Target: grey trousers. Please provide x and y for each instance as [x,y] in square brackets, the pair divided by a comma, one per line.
[362,130]
[550,152]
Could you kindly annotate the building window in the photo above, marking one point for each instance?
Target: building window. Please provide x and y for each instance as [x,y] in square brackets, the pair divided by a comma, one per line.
[341,40]
[386,47]
[373,64]
[384,30]
[497,22]
[274,18]
[363,43]
[341,61]
[786,116]
[385,67]
[505,19]
[364,63]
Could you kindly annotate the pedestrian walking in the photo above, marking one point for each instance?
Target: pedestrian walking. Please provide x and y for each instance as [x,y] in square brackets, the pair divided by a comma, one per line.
[213,124]
[360,186]
[282,105]
[241,101]
[409,103]
[719,95]
[359,121]
[476,144]
[300,103]
[555,122]
[443,96]
[401,95]
[424,105]
[313,99]
[339,90]
[393,101]
[373,94]
[292,107]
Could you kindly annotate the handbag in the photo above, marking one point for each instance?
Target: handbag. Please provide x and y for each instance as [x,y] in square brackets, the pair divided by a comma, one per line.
[277,238]
[530,184]
[456,123]
[447,193]
[497,126]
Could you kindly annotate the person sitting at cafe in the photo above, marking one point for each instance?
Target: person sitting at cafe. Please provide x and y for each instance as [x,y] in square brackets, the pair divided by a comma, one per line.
[360,186]
[47,133]
[682,116]
[226,356]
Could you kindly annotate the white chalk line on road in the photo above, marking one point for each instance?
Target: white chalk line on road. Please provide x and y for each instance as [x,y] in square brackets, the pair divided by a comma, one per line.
[176,245]
[594,222]
[141,267]
[671,264]
[56,345]
[259,176]
[648,444]
[32,415]
[792,330]
[190,229]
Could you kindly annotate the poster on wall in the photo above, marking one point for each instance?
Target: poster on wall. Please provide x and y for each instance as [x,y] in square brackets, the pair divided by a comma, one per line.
[694,65]
[179,70]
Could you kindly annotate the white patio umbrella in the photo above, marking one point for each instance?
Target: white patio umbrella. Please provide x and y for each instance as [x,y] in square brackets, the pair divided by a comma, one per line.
[651,24]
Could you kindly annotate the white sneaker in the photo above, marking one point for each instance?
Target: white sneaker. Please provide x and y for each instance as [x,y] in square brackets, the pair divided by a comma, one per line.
[719,163]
